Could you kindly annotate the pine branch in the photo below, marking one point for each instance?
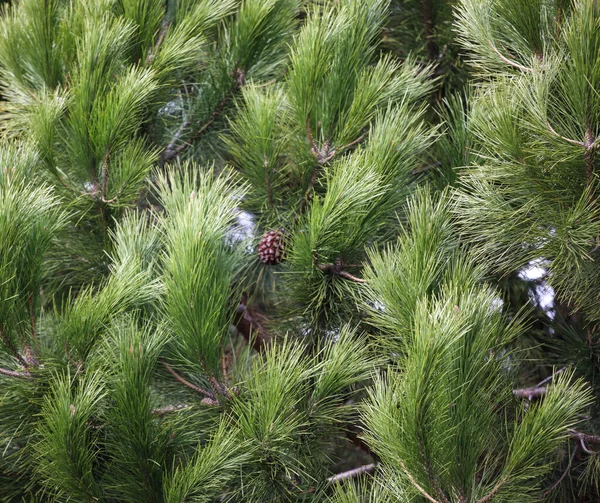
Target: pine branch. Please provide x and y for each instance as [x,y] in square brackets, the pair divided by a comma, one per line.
[163,411]
[530,393]
[248,323]
[590,147]
[508,61]
[350,474]
[105,175]
[161,37]
[13,373]
[210,396]
[337,269]
[492,494]
[172,150]
[267,181]
[562,477]
[568,140]
[429,30]
[585,438]
[8,343]
[32,318]
[416,484]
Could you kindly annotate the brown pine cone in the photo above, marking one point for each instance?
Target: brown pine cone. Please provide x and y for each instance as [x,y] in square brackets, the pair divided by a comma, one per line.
[271,247]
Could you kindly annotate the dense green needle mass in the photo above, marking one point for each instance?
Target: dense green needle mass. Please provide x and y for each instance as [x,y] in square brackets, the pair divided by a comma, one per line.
[337,251]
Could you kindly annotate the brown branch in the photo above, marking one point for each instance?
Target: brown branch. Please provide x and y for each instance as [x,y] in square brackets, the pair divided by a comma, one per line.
[568,140]
[586,437]
[429,30]
[32,318]
[550,377]
[105,174]
[352,432]
[267,181]
[337,151]
[530,393]
[589,154]
[250,324]
[171,151]
[159,41]
[508,61]
[491,495]
[8,343]
[350,474]
[188,384]
[416,484]
[163,411]
[562,477]
[313,146]
[337,269]
[13,373]
[348,276]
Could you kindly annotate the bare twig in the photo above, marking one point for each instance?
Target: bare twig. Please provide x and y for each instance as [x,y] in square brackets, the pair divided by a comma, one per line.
[8,343]
[105,174]
[330,155]
[508,61]
[268,181]
[172,150]
[562,477]
[32,318]
[337,269]
[530,393]
[13,373]
[550,377]
[416,484]
[161,37]
[568,140]
[429,30]
[585,437]
[313,146]
[163,411]
[188,384]
[490,496]
[350,474]
[589,154]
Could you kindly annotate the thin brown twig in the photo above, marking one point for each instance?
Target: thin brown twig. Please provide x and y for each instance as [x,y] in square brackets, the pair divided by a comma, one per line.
[415,483]
[163,411]
[489,496]
[32,318]
[429,30]
[589,155]
[568,140]
[350,474]
[550,377]
[267,181]
[8,343]
[251,325]
[14,373]
[508,61]
[586,437]
[562,477]
[105,174]
[159,41]
[585,447]
[171,151]
[337,151]
[337,269]
[313,145]
[530,393]
[188,384]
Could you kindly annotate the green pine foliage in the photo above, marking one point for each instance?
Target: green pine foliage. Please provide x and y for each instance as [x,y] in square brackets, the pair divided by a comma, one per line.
[250,250]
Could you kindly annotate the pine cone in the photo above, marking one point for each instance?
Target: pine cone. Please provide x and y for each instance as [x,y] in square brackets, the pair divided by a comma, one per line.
[271,247]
